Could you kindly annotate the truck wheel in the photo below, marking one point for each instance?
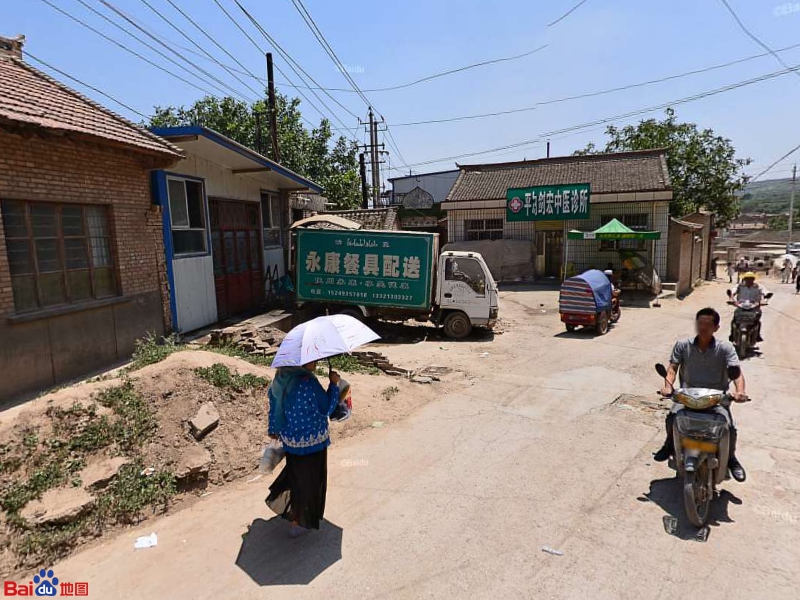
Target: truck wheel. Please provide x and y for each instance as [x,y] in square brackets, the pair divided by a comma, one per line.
[457,325]
[353,312]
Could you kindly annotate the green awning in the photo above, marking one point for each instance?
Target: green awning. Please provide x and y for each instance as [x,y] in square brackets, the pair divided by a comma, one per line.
[613,230]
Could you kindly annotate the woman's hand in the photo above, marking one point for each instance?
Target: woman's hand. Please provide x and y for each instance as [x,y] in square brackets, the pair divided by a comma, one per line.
[274,436]
[334,377]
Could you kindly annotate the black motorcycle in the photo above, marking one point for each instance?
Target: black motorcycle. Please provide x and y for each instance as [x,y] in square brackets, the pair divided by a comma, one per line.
[746,325]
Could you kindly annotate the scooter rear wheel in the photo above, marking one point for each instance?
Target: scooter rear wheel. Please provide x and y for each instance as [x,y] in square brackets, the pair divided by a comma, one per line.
[741,344]
[697,495]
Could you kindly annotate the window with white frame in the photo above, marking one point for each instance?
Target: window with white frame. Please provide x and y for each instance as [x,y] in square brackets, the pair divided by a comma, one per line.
[272,219]
[187,209]
[483,229]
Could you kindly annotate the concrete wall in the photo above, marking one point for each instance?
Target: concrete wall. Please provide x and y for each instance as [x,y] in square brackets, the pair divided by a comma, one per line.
[706,221]
[42,348]
[680,259]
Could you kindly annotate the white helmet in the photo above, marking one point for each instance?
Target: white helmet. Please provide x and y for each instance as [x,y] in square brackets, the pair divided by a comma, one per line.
[608,272]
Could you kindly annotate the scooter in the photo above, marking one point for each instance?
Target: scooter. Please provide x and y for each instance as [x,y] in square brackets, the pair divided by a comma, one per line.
[745,328]
[702,438]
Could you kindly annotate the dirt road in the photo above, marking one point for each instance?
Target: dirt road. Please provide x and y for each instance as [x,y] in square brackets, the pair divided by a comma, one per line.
[532,451]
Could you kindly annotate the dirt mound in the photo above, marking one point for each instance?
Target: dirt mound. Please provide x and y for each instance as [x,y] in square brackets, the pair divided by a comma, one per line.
[83,461]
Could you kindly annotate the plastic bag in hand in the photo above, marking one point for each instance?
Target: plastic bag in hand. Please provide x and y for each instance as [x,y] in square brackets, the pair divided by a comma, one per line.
[273,454]
[344,408]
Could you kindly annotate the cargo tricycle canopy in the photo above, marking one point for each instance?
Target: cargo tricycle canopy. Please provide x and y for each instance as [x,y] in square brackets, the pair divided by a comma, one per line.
[587,293]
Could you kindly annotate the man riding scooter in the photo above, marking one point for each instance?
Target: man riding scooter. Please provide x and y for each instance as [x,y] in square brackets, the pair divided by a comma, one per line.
[703,362]
[750,291]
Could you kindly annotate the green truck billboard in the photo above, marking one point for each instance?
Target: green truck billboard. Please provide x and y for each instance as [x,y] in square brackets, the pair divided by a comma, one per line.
[368,268]
[548,203]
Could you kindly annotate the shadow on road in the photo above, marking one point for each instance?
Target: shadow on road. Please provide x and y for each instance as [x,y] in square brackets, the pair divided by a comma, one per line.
[402,333]
[271,557]
[668,494]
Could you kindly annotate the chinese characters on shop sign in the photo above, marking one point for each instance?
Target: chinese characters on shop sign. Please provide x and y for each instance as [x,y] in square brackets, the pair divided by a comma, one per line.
[548,203]
[368,268]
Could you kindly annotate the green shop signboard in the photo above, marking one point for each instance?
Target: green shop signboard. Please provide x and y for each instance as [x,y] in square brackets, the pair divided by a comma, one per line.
[548,203]
[353,267]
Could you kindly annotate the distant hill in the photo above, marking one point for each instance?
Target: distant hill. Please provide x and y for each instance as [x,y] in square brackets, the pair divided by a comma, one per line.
[769,196]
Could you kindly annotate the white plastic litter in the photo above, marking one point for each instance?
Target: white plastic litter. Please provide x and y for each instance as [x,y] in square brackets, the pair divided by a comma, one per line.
[485,355]
[271,456]
[147,541]
[550,550]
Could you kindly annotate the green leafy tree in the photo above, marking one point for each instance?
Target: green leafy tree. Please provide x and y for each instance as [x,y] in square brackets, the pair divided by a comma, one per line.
[312,153]
[703,167]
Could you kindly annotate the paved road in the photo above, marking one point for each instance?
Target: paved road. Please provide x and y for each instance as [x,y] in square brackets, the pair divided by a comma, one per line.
[531,451]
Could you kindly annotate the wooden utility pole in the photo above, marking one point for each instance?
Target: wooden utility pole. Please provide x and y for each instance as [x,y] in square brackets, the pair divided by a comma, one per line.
[362,169]
[273,116]
[791,210]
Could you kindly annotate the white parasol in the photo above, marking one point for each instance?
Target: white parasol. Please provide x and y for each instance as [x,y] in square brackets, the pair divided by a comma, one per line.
[321,338]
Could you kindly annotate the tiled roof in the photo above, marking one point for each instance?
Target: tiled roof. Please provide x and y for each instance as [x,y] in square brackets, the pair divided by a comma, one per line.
[374,218]
[642,171]
[770,236]
[30,97]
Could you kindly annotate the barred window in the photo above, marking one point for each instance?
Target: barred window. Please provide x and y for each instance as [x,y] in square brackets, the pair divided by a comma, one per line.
[483,229]
[58,253]
[271,216]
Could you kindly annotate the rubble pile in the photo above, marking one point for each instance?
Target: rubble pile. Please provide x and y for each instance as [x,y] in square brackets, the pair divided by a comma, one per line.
[252,339]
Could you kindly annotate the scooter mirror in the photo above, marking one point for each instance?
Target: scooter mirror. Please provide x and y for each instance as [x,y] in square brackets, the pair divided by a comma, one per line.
[661,370]
[729,293]
[768,296]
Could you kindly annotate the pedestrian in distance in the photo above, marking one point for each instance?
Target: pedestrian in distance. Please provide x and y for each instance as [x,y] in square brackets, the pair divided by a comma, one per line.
[786,272]
[741,267]
[731,272]
[299,408]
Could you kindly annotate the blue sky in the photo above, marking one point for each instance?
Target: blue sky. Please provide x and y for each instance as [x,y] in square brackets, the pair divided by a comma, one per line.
[603,44]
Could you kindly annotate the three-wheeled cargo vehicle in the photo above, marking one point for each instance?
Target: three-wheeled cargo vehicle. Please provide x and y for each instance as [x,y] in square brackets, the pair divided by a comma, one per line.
[585,300]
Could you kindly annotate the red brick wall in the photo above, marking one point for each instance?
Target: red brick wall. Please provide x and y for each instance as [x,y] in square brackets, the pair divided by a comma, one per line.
[57,170]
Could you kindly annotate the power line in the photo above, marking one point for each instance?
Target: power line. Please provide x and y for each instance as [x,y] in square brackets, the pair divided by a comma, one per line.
[124,47]
[637,112]
[568,13]
[285,55]
[199,47]
[753,37]
[769,168]
[147,45]
[290,60]
[84,84]
[255,44]
[317,32]
[166,46]
[592,94]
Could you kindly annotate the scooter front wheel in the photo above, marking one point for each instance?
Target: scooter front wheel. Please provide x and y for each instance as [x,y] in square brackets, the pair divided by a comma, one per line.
[697,495]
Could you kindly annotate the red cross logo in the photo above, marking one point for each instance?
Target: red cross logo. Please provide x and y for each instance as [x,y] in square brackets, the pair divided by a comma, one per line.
[515,205]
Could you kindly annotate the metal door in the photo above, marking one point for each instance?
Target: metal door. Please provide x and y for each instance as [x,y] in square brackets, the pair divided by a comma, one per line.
[235,239]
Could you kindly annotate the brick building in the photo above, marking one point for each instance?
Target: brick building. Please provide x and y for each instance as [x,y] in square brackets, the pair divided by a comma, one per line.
[82,271]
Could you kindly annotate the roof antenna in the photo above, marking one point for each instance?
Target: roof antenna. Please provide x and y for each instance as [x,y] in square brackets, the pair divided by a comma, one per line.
[548,148]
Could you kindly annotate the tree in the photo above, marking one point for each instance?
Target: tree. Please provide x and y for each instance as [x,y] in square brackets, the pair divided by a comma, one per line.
[703,167]
[312,154]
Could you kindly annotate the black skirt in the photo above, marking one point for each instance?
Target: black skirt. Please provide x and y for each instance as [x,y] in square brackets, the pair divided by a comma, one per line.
[298,493]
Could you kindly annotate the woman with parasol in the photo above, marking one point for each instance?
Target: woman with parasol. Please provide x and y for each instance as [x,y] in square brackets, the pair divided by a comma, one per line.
[299,408]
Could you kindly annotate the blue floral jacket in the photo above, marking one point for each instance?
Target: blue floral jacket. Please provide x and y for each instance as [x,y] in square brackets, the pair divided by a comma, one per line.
[303,423]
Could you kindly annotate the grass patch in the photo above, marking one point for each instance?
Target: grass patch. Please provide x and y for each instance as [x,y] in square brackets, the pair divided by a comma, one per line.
[236,352]
[150,350]
[345,363]
[220,376]
[390,392]
[130,494]
[46,458]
